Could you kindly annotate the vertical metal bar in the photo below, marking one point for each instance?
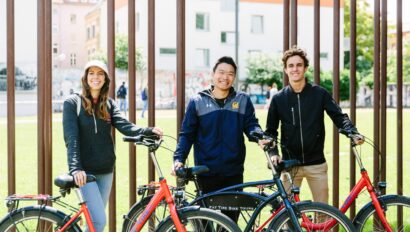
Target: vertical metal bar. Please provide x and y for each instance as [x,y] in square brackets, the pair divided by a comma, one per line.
[383,92]
[180,63]
[376,89]
[11,110]
[151,77]
[47,139]
[316,54]
[40,93]
[336,74]
[237,42]
[286,30]
[131,99]
[352,95]
[399,40]
[111,70]
[294,22]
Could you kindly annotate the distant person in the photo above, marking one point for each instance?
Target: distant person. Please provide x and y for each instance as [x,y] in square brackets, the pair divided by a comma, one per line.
[88,138]
[273,90]
[144,98]
[122,98]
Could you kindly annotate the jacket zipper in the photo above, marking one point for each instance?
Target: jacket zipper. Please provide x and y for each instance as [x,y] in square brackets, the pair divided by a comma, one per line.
[301,132]
[293,115]
[95,123]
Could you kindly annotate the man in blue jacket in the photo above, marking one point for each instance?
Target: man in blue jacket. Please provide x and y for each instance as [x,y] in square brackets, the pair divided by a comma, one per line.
[214,123]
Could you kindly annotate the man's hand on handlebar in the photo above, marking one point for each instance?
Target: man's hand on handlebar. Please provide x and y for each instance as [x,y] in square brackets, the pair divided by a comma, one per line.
[158,131]
[175,167]
[358,139]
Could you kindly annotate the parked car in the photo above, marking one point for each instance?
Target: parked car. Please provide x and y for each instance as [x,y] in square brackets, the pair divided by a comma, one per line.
[22,81]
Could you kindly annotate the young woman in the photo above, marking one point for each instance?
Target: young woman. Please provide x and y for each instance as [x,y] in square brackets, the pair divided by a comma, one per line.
[87,134]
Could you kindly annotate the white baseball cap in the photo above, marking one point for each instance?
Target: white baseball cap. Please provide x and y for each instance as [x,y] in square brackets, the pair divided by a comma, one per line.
[96,63]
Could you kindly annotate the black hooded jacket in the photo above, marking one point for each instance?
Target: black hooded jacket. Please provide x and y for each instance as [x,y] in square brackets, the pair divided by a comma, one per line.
[88,139]
[302,122]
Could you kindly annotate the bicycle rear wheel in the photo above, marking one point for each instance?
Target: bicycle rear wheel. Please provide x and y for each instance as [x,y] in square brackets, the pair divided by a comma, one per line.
[367,218]
[35,218]
[201,220]
[313,216]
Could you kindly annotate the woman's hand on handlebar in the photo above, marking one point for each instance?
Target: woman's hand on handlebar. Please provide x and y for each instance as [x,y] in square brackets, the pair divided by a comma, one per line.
[177,165]
[263,142]
[80,178]
[276,159]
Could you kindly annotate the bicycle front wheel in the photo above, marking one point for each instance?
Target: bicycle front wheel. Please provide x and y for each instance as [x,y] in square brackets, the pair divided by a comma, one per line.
[201,220]
[397,213]
[35,218]
[312,216]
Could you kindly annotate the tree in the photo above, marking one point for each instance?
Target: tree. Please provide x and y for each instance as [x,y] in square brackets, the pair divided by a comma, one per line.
[121,54]
[364,40]
[264,69]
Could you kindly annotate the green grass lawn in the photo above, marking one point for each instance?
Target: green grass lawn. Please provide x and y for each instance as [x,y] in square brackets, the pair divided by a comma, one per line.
[255,166]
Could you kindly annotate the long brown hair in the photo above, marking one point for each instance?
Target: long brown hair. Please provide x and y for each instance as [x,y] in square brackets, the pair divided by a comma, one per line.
[102,107]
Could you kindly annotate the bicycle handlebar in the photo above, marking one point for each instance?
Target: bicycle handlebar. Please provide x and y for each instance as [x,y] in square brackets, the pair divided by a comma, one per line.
[151,141]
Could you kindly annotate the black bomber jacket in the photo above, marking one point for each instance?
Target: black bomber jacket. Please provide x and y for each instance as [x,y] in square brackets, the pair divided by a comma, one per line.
[88,139]
[302,122]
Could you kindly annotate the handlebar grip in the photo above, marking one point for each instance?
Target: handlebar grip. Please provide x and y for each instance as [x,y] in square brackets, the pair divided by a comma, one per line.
[132,138]
[181,172]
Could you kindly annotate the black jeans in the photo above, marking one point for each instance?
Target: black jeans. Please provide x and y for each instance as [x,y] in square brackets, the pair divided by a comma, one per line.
[213,183]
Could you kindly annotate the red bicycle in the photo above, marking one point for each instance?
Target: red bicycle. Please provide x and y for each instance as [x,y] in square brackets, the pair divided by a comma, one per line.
[45,218]
[384,212]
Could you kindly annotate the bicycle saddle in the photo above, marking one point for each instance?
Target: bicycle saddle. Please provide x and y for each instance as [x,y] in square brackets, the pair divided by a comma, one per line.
[66,181]
[286,165]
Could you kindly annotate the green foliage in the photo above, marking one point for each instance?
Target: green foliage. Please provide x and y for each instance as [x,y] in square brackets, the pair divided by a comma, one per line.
[121,55]
[326,81]
[364,40]
[264,69]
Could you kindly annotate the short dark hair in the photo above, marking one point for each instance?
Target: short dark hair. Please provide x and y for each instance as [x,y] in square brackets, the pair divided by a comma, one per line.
[295,51]
[227,60]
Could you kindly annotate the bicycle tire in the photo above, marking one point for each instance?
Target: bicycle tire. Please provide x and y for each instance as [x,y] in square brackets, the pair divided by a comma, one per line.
[161,212]
[364,219]
[33,218]
[313,211]
[200,220]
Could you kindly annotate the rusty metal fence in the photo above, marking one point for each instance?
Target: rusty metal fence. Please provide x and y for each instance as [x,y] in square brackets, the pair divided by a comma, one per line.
[290,37]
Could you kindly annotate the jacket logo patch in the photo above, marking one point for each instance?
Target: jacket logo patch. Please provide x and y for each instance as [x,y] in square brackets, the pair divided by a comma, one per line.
[235,105]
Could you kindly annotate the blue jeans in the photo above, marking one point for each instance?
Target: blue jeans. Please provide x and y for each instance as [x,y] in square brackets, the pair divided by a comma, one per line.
[144,107]
[96,195]
[123,104]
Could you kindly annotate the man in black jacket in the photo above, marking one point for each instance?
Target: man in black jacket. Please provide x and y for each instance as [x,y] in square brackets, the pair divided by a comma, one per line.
[300,108]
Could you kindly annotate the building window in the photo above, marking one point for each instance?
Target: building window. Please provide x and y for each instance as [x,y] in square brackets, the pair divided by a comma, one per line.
[167,51]
[254,52]
[88,33]
[227,5]
[202,55]
[324,55]
[73,19]
[137,21]
[55,28]
[228,37]
[55,48]
[73,59]
[202,21]
[257,24]
[93,31]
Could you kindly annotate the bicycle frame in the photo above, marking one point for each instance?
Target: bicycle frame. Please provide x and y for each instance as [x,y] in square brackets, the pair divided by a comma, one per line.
[364,182]
[162,193]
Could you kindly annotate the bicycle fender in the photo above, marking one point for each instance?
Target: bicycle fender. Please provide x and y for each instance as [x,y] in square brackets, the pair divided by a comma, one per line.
[370,204]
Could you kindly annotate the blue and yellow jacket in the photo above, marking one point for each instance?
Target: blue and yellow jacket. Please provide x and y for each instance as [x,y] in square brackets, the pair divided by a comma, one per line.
[217,133]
